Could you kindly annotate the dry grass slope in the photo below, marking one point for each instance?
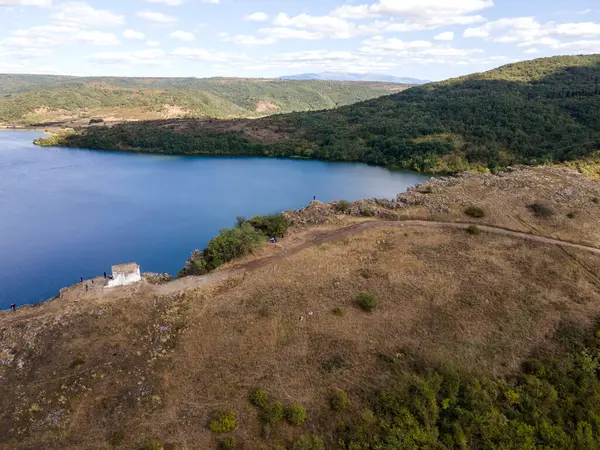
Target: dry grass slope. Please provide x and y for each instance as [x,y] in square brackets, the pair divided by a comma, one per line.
[114,370]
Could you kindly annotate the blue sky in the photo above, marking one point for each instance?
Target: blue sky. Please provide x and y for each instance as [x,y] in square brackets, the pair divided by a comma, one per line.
[431,39]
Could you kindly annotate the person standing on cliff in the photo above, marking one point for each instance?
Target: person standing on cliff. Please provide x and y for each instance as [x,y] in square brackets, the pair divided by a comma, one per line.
[13,307]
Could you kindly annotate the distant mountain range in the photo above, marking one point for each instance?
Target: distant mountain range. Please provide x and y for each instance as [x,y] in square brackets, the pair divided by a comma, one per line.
[341,76]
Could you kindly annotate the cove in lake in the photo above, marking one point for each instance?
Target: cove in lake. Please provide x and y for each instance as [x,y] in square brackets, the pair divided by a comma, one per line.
[71,213]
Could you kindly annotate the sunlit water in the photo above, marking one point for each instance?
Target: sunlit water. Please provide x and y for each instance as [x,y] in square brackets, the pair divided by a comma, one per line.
[71,213]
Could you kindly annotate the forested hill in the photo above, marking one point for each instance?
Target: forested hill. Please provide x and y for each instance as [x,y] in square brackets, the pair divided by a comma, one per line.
[531,112]
[30,99]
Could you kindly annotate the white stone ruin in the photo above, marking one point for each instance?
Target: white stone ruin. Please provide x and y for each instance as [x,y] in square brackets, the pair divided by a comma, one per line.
[125,274]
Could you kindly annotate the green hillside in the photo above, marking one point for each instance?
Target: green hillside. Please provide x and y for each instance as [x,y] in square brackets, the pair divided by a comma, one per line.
[545,110]
[27,99]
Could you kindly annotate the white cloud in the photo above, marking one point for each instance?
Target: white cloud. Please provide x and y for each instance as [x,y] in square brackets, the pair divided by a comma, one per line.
[531,50]
[216,2]
[167,2]
[413,49]
[289,33]
[156,17]
[183,35]
[589,29]
[257,17]
[244,39]
[584,12]
[528,31]
[42,3]
[152,43]
[96,38]
[201,54]
[418,14]
[447,36]
[132,34]
[149,56]
[83,15]
[353,12]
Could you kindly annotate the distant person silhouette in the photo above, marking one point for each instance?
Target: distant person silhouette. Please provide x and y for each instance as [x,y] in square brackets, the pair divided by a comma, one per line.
[13,307]
[86,288]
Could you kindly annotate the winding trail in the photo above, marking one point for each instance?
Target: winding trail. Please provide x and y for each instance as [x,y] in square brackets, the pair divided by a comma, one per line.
[327,236]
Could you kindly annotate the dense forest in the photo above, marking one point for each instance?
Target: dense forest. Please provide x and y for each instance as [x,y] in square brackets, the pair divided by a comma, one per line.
[30,99]
[533,112]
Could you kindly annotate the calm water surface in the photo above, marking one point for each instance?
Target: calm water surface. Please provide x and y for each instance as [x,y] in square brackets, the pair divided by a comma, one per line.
[70,213]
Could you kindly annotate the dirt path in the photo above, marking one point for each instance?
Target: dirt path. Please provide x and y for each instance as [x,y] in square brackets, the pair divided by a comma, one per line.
[322,237]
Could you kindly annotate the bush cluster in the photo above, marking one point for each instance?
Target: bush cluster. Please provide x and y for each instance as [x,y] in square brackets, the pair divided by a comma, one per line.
[475,211]
[295,415]
[274,225]
[223,421]
[339,400]
[259,398]
[342,206]
[309,443]
[552,404]
[241,240]
[540,210]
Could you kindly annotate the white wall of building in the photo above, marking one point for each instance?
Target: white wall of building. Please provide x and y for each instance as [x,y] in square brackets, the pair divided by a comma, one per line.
[123,279]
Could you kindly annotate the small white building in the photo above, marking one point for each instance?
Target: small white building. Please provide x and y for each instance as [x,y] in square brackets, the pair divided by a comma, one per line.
[124,274]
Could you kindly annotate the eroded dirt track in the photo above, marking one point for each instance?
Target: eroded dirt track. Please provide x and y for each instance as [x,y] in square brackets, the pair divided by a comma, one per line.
[323,237]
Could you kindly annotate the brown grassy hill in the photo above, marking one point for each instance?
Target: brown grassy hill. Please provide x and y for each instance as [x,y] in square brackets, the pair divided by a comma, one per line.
[113,369]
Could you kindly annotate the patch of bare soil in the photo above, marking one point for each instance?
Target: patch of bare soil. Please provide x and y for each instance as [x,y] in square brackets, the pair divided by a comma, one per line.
[266,107]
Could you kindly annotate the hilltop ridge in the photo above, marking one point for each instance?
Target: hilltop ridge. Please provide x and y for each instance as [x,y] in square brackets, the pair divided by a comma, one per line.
[34,99]
[534,112]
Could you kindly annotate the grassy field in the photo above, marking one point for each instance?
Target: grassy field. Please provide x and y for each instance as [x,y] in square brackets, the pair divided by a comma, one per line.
[117,369]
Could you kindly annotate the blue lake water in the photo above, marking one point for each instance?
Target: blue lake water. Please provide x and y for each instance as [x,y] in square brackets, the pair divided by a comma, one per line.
[70,213]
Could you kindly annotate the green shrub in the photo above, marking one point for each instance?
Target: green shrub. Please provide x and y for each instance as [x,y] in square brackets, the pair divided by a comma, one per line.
[117,438]
[295,415]
[367,213]
[334,364]
[231,243]
[571,215]
[339,311]
[474,230]
[273,412]
[540,210]
[229,443]
[339,400]
[309,443]
[475,211]
[223,421]
[152,444]
[342,206]
[274,225]
[259,398]
[367,301]
[427,189]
